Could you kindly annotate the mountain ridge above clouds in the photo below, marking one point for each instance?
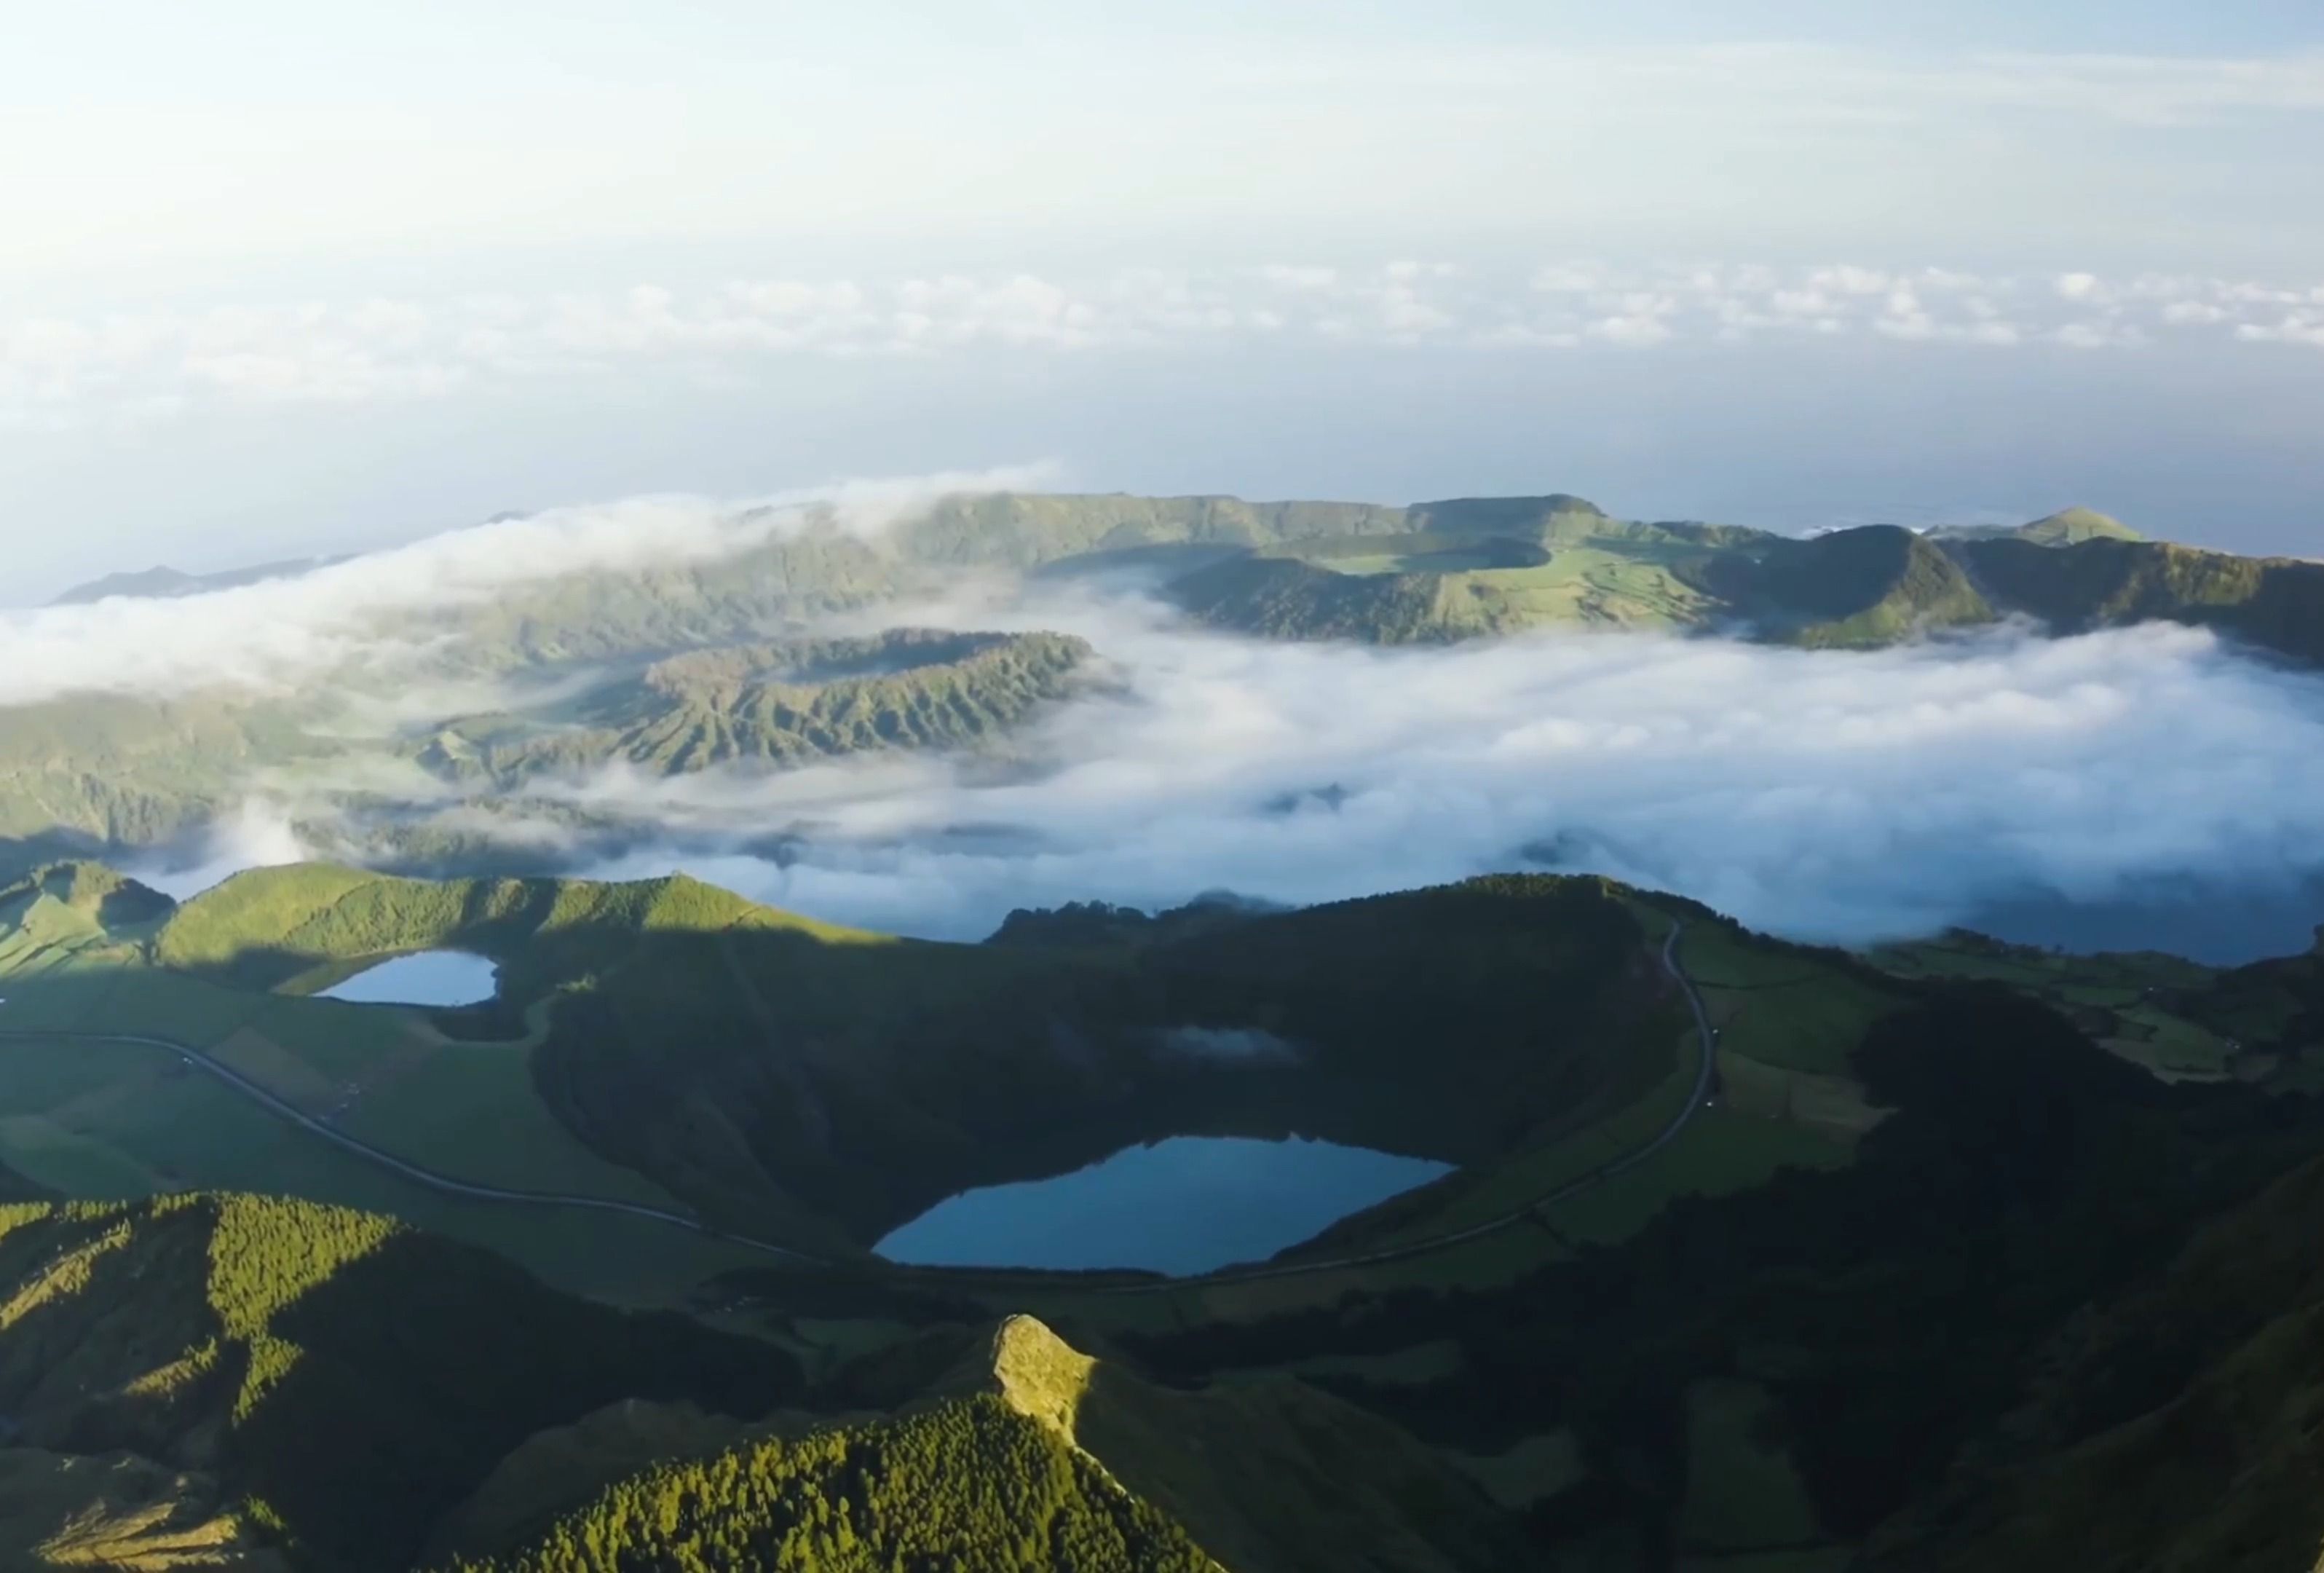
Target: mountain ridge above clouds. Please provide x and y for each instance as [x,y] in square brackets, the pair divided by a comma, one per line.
[148,720]
[164,582]
[1428,572]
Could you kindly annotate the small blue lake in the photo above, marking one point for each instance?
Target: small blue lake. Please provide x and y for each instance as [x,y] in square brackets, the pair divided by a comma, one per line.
[431,977]
[1190,1204]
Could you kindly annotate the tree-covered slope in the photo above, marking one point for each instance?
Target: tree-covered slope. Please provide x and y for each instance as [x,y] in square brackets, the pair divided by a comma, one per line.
[968,1485]
[2175,1428]
[344,1381]
[864,1083]
[1028,1454]
[242,1381]
[1754,1341]
[1780,1370]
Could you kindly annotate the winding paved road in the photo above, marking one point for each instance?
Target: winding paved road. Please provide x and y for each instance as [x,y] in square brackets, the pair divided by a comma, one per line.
[412,1171]
[450,1186]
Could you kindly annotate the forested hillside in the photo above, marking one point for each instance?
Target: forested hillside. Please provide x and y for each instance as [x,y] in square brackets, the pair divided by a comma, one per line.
[1842,1303]
[344,1381]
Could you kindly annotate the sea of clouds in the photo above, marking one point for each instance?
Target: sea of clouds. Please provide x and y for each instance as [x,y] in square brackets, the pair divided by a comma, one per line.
[58,371]
[1833,796]
[1828,795]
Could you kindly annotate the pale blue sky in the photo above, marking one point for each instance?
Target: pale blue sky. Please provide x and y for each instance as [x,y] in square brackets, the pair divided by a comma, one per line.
[372,225]
[153,141]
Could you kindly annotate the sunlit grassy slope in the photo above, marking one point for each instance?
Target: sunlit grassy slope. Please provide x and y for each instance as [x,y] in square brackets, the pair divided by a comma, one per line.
[101,1118]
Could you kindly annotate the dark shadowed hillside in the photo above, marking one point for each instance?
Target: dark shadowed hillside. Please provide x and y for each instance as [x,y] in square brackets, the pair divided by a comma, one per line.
[2171,1427]
[344,1381]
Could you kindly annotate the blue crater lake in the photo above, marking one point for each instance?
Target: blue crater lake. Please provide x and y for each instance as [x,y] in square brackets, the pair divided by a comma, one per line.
[431,977]
[1189,1204]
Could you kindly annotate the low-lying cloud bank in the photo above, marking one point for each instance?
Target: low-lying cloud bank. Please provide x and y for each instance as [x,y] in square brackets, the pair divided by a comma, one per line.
[1229,1045]
[1832,796]
[376,608]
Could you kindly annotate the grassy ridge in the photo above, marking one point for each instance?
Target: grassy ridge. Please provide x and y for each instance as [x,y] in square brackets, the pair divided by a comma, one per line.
[1848,589]
[114,1120]
[2272,604]
[774,705]
[1857,588]
[1479,568]
[268,926]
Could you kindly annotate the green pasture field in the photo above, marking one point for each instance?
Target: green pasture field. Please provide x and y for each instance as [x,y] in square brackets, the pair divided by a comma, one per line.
[1530,1175]
[1742,1491]
[1604,581]
[468,1110]
[1781,1007]
[1718,1153]
[1532,1470]
[2114,996]
[104,1120]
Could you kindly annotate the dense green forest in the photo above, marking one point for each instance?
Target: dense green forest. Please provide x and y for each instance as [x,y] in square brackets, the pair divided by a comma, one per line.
[348,1380]
[1897,1310]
